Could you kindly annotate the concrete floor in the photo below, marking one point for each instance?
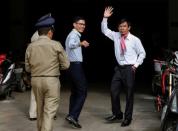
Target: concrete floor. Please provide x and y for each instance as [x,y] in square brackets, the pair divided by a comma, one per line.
[14,113]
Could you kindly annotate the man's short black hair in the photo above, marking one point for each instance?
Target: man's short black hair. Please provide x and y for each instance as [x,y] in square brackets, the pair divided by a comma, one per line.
[77,18]
[124,20]
[45,30]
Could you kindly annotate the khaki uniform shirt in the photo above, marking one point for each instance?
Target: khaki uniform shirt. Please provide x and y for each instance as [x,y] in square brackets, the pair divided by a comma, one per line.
[45,57]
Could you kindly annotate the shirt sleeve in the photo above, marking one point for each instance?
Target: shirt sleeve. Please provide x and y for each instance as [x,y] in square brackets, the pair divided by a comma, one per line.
[105,30]
[62,56]
[141,53]
[27,64]
[74,41]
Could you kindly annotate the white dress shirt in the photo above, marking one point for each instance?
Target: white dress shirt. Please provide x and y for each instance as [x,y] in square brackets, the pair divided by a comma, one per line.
[135,52]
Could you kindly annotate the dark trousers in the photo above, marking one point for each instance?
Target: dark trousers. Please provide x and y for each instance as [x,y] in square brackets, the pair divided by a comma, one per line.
[78,89]
[123,79]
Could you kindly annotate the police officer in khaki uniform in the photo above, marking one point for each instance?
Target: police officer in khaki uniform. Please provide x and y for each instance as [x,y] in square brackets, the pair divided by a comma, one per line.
[44,59]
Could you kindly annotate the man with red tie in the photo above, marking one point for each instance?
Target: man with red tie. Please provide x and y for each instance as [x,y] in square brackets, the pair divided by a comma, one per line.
[129,54]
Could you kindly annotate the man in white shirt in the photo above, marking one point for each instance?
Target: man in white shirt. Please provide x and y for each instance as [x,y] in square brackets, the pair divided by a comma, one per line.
[129,54]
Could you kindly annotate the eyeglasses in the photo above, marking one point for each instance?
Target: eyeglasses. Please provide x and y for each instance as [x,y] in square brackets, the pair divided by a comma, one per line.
[81,24]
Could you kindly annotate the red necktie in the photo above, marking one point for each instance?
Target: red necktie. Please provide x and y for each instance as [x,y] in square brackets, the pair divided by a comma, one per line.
[122,42]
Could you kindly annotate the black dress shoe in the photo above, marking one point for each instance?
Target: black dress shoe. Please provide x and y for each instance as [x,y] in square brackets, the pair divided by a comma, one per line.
[32,119]
[126,122]
[113,118]
[73,122]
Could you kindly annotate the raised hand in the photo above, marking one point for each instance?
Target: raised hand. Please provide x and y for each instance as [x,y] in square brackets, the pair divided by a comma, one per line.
[108,11]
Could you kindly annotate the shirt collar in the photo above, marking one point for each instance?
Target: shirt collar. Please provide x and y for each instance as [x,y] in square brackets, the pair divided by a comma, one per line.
[44,37]
[128,36]
[78,33]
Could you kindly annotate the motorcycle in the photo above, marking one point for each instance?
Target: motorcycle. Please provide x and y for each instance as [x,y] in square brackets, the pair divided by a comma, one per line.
[167,95]
[160,83]
[6,75]
[11,77]
[160,65]
[169,117]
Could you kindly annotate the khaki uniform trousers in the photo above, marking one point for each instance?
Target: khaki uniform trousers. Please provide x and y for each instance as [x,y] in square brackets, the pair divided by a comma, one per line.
[46,90]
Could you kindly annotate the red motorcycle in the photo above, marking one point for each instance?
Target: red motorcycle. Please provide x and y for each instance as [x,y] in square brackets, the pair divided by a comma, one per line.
[161,83]
[166,100]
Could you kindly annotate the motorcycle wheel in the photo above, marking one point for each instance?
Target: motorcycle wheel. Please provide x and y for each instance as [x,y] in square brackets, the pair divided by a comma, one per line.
[170,125]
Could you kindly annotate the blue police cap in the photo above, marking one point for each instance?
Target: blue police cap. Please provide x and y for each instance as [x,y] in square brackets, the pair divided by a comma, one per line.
[45,21]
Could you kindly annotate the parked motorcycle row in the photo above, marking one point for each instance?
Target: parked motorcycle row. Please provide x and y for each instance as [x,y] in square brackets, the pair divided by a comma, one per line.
[165,90]
[12,76]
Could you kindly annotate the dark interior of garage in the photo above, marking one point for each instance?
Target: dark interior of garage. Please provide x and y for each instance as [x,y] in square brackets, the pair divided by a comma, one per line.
[149,21]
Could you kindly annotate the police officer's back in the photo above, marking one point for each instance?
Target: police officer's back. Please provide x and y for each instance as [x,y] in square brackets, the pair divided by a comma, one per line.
[44,59]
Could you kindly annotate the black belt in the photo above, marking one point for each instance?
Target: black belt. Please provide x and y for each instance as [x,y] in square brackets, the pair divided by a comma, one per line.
[124,66]
[76,62]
